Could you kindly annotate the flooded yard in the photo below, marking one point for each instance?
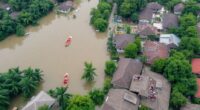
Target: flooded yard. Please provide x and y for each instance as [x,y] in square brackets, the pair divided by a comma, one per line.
[44,48]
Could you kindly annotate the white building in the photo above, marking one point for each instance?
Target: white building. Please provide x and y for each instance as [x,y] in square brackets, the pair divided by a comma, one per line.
[170,39]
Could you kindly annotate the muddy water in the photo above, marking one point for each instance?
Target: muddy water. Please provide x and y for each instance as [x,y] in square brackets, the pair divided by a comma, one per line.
[44,48]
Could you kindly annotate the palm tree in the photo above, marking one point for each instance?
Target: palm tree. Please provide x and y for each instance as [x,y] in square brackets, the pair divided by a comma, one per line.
[33,74]
[60,93]
[4,99]
[89,72]
[27,86]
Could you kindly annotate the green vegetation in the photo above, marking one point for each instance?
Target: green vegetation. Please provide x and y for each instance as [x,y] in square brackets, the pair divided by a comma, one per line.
[78,102]
[60,93]
[89,72]
[112,49]
[179,72]
[132,49]
[143,107]
[110,68]
[30,12]
[100,16]
[44,107]
[15,81]
[97,96]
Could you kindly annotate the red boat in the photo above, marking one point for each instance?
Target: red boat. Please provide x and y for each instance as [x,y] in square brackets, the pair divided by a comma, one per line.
[66,80]
[68,41]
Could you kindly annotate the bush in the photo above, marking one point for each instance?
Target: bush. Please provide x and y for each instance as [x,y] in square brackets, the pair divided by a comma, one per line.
[110,68]
[158,65]
[107,85]
[20,30]
[131,50]
[101,24]
[97,96]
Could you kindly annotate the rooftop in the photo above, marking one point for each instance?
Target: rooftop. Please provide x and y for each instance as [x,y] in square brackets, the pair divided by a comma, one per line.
[191,107]
[169,39]
[121,99]
[162,92]
[198,91]
[41,99]
[179,7]
[170,20]
[154,50]
[126,69]
[146,30]
[65,6]
[122,40]
[196,65]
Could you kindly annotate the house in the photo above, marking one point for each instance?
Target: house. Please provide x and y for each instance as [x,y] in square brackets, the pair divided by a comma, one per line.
[152,88]
[178,9]
[191,107]
[41,99]
[171,40]
[122,40]
[121,99]
[126,69]
[145,30]
[65,7]
[169,21]
[154,50]
[197,95]
[147,13]
[196,66]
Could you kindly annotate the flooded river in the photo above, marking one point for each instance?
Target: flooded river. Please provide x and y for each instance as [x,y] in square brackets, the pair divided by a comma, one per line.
[44,48]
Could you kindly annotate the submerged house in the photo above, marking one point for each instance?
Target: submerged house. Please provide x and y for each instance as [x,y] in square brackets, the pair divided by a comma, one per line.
[171,40]
[178,9]
[121,99]
[126,69]
[169,21]
[122,40]
[154,50]
[147,13]
[145,30]
[41,99]
[65,7]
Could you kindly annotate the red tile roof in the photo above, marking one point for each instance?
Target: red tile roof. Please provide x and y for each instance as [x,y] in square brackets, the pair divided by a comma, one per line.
[198,85]
[154,50]
[196,65]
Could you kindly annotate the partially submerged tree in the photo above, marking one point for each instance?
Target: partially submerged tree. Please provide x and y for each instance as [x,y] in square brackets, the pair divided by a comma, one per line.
[89,72]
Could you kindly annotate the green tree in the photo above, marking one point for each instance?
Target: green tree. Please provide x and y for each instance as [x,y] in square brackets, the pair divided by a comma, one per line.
[143,107]
[107,85]
[28,86]
[177,99]
[101,24]
[158,65]
[134,17]
[110,68]
[97,96]
[33,74]
[131,50]
[89,72]
[4,99]
[188,20]
[61,95]
[20,30]
[78,102]
[191,44]
[138,43]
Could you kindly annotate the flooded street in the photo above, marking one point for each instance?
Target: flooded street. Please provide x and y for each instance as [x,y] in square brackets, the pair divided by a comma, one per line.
[44,48]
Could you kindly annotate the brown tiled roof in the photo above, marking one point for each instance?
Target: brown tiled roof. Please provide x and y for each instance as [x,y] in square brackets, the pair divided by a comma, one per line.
[146,14]
[126,69]
[170,20]
[154,6]
[179,7]
[146,29]
[122,40]
[116,100]
[154,50]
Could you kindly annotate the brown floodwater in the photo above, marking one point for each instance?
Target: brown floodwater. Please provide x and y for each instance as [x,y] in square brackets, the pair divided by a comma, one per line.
[44,48]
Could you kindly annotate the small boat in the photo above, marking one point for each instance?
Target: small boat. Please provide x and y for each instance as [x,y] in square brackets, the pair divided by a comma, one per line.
[66,80]
[68,41]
